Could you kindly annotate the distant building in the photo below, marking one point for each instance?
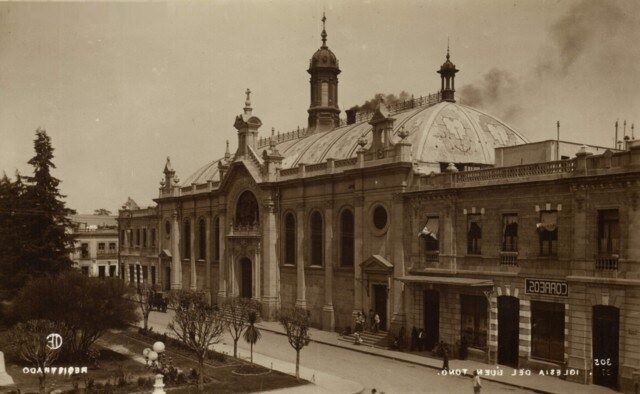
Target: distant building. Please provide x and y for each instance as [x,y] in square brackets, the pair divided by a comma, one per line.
[96,245]
[434,214]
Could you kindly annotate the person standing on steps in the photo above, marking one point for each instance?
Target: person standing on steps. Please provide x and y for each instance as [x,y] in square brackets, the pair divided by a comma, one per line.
[376,322]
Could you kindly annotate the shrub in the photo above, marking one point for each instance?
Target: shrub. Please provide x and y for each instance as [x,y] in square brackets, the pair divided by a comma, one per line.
[87,307]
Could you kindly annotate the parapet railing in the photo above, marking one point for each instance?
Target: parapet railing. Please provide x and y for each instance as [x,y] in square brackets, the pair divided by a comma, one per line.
[361,116]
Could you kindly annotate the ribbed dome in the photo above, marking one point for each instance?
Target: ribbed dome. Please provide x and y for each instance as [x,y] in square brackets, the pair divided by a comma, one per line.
[323,57]
[442,133]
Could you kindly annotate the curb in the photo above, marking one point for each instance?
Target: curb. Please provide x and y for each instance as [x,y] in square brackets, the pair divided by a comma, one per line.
[395,358]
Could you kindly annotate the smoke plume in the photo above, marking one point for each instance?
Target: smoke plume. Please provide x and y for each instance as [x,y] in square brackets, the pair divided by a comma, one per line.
[592,39]
[388,99]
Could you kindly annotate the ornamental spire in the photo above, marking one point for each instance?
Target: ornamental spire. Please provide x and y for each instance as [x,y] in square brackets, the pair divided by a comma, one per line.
[247,103]
[324,32]
[448,56]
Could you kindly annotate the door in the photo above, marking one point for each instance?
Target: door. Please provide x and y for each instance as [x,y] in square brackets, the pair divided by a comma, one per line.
[431,318]
[508,330]
[606,326]
[380,304]
[245,278]
[167,278]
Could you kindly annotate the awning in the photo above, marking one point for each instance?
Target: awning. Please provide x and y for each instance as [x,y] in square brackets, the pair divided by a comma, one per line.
[430,228]
[548,221]
[446,280]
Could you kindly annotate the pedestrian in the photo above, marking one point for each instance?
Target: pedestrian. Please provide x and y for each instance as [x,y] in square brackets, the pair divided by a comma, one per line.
[477,385]
[365,322]
[414,339]
[445,357]
[421,338]
[357,339]
[371,319]
[376,322]
[402,338]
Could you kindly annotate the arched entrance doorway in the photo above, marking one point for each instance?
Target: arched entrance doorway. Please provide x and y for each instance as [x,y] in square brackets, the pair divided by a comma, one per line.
[606,333]
[246,278]
[508,330]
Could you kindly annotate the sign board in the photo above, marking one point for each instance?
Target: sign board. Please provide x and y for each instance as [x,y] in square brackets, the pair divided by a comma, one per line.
[546,287]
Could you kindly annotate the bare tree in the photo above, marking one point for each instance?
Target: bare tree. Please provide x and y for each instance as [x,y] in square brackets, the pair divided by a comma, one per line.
[197,324]
[237,312]
[296,324]
[30,341]
[142,296]
[252,333]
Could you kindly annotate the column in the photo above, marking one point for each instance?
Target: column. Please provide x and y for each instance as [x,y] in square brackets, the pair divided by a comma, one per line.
[208,257]
[193,284]
[398,317]
[328,316]
[176,268]
[269,262]
[301,288]
[222,264]
[358,238]
[256,273]
[127,279]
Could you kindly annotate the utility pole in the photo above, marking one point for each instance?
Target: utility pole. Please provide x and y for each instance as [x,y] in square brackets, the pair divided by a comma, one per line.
[558,140]
[615,141]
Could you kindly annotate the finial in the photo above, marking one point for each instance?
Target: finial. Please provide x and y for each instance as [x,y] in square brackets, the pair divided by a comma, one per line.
[448,48]
[247,103]
[273,130]
[324,32]
[227,154]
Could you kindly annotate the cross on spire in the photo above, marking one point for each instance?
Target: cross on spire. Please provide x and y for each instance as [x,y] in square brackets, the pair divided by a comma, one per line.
[448,48]
[248,93]
[324,32]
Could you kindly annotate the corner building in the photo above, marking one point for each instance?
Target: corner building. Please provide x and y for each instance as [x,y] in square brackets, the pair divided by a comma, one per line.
[433,214]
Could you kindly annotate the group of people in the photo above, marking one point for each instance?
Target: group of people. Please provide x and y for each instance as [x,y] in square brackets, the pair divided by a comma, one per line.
[372,322]
[362,323]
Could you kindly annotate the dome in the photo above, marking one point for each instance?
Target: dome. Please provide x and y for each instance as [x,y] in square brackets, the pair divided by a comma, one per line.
[446,132]
[323,57]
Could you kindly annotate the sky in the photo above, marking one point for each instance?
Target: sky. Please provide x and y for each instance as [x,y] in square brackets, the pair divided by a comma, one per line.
[120,86]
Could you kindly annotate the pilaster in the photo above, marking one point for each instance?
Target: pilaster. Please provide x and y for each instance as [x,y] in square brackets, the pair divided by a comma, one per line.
[270,263]
[176,267]
[301,290]
[328,315]
[193,277]
[223,263]
[207,279]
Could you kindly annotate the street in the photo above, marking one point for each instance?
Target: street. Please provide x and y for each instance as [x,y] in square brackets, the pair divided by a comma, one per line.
[385,375]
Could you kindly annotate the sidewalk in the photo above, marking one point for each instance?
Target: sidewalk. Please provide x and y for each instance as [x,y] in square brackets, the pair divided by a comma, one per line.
[535,382]
[320,382]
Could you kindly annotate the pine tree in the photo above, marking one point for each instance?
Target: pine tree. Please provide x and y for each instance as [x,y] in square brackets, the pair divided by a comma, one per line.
[46,218]
[12,233]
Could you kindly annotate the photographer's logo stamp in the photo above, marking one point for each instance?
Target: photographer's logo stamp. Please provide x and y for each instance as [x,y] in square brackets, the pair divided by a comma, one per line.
[54,341]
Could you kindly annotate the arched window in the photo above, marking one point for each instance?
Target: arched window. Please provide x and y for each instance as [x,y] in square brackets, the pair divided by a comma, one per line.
[316,239]
[347,227]
[247,210]
[186,243]
[216,239]
[202,240]
[289,239]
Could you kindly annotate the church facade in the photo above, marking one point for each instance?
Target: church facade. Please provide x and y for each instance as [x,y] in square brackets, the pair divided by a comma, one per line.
[433,214]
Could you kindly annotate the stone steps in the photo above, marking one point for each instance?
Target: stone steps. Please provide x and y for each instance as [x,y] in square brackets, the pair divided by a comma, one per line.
[371,339]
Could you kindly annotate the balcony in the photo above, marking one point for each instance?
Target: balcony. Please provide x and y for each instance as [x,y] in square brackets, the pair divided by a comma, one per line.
[509,259]
[112,254]
[432,256]
[607,262]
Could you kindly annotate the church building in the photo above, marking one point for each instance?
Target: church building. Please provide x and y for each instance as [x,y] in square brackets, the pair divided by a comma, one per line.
[431,213]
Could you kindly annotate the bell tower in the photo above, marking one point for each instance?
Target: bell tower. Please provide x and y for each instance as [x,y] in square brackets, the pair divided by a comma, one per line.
[323,68]
[447,73]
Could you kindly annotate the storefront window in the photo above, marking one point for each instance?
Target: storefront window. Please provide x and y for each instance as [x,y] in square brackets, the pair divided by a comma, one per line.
[473,320]
[547,331]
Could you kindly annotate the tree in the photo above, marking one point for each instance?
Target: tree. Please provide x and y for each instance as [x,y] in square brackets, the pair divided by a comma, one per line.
[86,306]
[237,309]
[296,324]
[142,297]
[30,342]
[102,212]
[252,333]
[12,235]
[37,214]
[197,325]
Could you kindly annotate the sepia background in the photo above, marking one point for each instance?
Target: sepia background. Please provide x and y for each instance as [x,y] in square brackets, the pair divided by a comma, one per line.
[119,86]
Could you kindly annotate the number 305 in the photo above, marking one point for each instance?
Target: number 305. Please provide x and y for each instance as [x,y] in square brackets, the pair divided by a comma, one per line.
[602,361]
